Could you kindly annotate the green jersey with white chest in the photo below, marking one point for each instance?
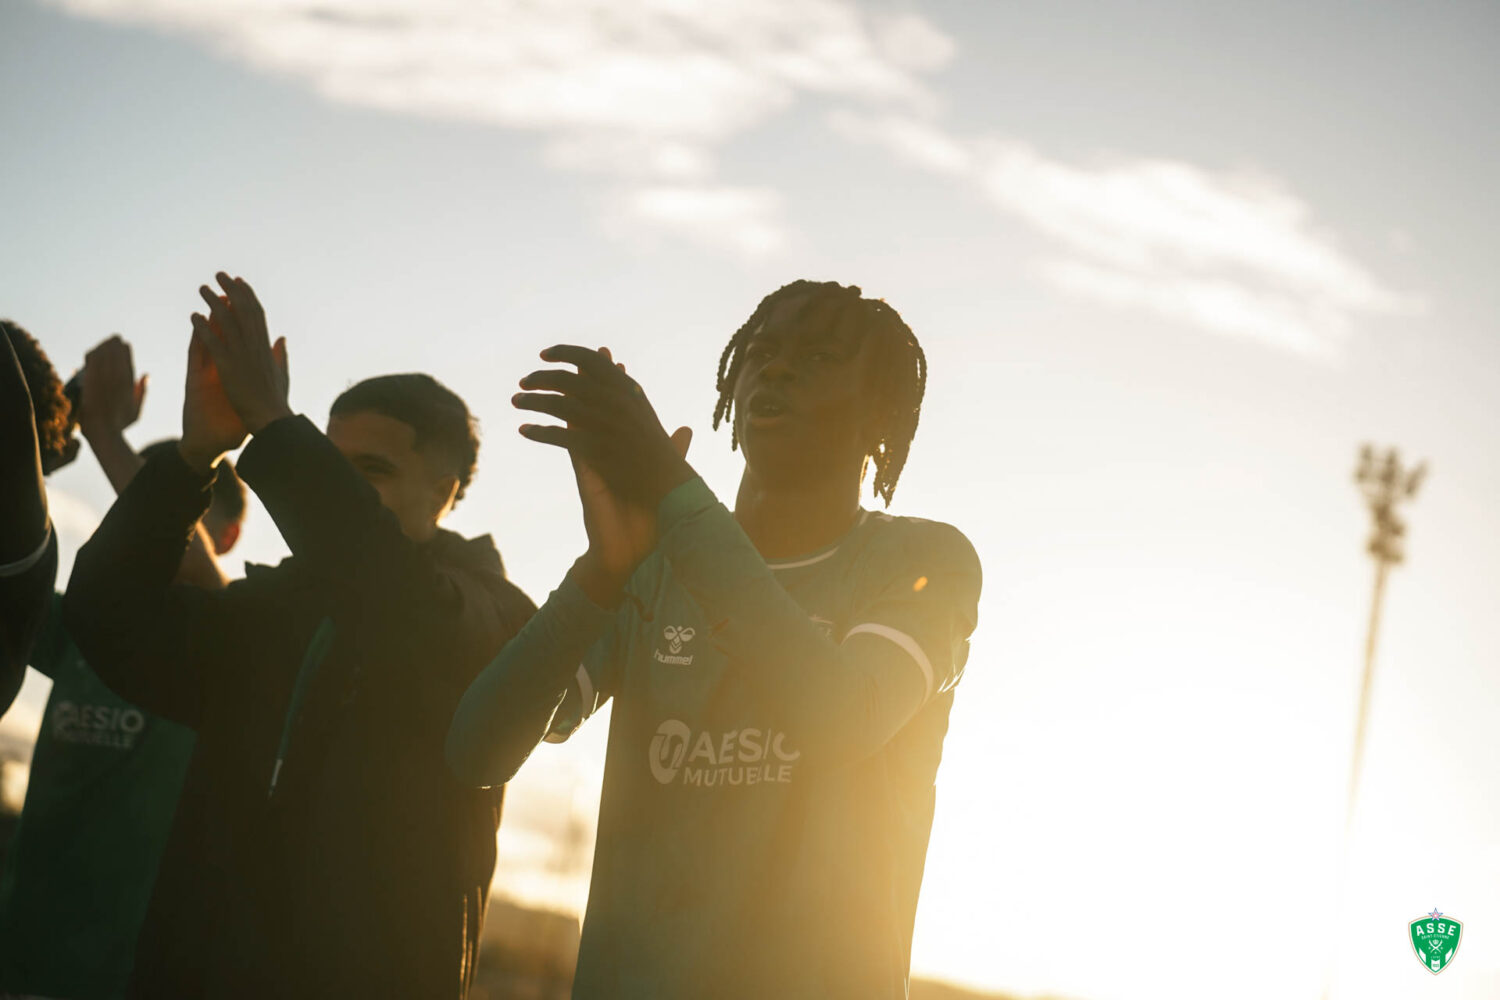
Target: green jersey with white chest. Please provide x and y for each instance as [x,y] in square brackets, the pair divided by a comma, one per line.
[775,733]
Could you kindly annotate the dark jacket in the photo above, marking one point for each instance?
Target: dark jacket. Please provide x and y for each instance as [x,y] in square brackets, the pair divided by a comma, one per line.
[356,866]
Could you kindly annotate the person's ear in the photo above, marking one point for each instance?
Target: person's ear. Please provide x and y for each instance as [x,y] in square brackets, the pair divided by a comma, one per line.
[225,537]
[444,495]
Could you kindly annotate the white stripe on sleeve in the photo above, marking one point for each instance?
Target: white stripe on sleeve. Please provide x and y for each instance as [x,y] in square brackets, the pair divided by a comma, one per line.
[22,565]
[903,640]
[586,705]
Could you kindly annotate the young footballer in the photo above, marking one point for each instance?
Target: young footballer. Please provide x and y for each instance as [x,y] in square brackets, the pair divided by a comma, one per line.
[320,847]
[782,675]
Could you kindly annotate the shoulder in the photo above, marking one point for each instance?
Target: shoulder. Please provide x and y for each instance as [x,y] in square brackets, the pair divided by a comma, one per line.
[897,543]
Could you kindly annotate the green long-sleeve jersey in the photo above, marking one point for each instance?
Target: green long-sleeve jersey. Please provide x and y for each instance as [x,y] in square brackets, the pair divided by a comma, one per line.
[768,788]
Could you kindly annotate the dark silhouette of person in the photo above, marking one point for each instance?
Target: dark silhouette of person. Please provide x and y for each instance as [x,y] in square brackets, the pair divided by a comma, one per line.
[781,676]
[36,439]
[320,848]
[105,775]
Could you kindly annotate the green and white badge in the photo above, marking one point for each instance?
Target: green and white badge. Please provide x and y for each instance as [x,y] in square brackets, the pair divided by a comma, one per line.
[1435,938]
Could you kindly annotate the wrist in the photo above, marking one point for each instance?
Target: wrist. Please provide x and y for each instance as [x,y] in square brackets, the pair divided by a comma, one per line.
[201,458]
[102,436]
[672,475]
[260,419]
[603,588]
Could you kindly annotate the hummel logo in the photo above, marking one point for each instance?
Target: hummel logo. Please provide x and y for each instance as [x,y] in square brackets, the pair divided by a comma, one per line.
[676,636]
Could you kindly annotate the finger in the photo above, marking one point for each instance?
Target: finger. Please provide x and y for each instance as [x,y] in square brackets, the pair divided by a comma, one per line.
[682,437]
[247,302]
[561,380]
[219,313]
[574,411]
[561,437]
[591,363]
[205,337]
[127,356]
[278,351]
[237,308]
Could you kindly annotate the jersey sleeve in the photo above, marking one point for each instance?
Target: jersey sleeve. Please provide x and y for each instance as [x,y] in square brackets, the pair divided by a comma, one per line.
[921,593]
[595,681]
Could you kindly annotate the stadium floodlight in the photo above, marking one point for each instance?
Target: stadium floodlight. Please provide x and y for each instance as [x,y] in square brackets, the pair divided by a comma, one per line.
[1385,485]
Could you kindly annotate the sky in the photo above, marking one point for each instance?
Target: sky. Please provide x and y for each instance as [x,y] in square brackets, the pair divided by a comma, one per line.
[1171,265]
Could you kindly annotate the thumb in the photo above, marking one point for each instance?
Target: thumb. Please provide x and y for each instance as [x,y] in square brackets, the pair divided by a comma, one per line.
[278,351]
[681,438]
[140,390]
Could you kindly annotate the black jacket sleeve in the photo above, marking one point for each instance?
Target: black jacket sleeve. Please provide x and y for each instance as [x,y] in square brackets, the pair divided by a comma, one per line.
[25,583]
[151,641]
[381,583]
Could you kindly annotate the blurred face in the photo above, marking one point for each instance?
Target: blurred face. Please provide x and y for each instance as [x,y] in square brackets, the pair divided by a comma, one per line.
[384,451]
[801,407]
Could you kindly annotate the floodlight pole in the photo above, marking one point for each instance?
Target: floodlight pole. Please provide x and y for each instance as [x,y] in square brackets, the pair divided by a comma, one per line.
[1385,484]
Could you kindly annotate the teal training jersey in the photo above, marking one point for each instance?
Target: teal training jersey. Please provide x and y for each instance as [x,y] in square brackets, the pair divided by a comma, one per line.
[754,841]
[105,778]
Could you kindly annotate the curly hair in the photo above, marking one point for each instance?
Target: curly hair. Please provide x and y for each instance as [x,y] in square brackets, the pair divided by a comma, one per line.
[900,369]
[55,426]
[440,418]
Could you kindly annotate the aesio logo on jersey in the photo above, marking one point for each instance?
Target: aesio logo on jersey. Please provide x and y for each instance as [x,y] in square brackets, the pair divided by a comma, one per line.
[98,725]
[736,757]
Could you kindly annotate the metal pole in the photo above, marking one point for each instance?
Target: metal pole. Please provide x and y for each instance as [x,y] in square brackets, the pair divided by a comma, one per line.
[1362,717]
[1384,485]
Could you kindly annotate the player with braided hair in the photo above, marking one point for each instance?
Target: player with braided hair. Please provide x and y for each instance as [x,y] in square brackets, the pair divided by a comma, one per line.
[901,368]
[781,675]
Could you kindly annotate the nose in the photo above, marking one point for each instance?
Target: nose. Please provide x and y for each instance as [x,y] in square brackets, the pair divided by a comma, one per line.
[777,369]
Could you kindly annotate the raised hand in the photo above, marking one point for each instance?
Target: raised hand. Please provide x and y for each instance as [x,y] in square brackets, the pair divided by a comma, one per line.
[251,370]
[210,425]
[112,395]
[623,460]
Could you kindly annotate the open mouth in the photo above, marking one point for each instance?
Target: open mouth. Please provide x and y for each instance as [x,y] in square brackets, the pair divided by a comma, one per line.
[764,406]
[767,404]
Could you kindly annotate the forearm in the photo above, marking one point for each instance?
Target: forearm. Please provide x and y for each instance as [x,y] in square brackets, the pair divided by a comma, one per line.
[119,606]
[115,456]
[330,517]
[846,708]
[507,710]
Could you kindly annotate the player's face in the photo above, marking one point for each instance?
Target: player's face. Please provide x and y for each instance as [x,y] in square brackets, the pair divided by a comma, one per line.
[801,407]
[384,451]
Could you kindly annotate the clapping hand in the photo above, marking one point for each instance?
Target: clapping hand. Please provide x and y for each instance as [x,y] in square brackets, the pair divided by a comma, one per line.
[237,380]
[623,459]
[112,395]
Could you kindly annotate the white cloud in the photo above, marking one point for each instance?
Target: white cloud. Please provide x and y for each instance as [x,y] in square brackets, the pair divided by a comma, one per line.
[746,220]
[641,90]
[1232,253]
[645,94]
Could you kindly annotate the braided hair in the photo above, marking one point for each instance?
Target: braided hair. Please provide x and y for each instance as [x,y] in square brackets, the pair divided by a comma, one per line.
[900,369]
[55,421]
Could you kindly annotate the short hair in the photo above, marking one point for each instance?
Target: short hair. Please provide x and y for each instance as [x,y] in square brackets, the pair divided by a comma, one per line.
[53,414]
[229,490]
[442,422]
[900,369]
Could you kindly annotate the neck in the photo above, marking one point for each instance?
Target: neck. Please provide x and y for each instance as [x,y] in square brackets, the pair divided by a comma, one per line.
[783,521]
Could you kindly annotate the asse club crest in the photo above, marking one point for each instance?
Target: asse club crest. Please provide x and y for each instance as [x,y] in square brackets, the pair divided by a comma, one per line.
[1435,938]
